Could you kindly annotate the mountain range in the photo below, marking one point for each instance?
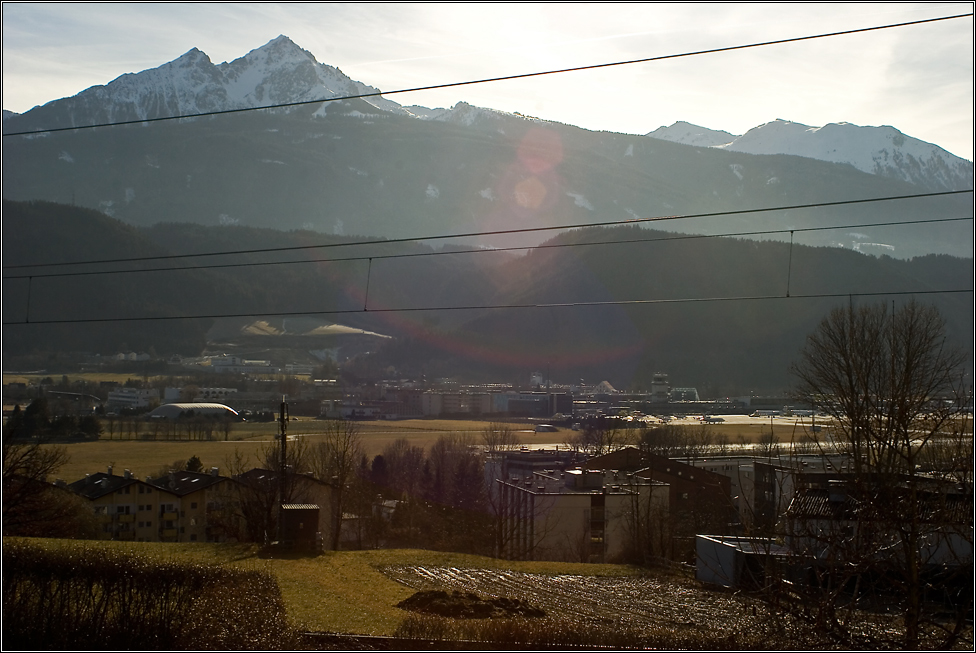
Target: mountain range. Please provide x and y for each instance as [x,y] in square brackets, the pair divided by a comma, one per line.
[372,167]
[881,151]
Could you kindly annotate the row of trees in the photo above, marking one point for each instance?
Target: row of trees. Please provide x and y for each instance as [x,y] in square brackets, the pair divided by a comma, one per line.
[440,494]
[37,421]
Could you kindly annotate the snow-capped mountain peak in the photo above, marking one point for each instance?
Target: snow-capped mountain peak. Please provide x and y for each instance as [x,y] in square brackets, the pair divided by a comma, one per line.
[689,134]
[883,151]
[278,72]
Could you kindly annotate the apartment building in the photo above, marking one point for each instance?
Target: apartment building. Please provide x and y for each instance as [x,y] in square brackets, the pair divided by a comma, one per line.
[169,509]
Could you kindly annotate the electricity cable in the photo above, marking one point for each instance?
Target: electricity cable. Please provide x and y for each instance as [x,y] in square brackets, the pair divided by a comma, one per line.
[379,241]
[495,79]
[484,250]
[421,309]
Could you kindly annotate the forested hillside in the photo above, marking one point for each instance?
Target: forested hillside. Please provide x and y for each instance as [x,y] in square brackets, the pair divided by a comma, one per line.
[726,315]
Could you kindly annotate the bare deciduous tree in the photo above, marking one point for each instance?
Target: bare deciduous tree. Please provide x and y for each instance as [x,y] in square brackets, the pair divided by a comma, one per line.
[27,464]
[895,393]
[336,459]
[499,436]
[602,436]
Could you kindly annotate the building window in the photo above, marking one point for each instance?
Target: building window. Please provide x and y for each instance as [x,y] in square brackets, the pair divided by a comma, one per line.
[193,506]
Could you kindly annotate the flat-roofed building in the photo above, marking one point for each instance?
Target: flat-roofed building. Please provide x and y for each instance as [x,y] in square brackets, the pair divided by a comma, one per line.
[576,515]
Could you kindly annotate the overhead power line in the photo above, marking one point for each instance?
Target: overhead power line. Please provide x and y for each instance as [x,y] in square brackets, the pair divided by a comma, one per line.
[498,79]
[472,234]
[422,309]
[484,250]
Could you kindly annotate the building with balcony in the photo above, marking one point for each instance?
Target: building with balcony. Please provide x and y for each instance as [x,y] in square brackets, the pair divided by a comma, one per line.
[185,503]
[175,508]
[126,508]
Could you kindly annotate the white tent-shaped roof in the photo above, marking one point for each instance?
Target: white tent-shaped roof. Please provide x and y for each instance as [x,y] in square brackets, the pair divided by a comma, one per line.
[175,411]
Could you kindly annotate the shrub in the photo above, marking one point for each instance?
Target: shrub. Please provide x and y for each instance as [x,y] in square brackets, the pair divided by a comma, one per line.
[77,597]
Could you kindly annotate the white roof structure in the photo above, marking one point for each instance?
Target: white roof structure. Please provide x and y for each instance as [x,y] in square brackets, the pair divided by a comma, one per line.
[175,411]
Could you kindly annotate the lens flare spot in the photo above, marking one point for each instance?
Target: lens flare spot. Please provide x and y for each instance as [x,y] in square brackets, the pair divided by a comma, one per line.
[540,150]
[530,193]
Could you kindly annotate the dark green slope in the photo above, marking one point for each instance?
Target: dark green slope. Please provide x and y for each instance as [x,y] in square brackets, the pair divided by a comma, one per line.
[40,233]
[742,337]
[715,315]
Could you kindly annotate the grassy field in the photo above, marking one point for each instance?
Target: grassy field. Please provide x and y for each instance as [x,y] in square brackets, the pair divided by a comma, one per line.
[95,377]
[356,593]
[145,457]
[342,591]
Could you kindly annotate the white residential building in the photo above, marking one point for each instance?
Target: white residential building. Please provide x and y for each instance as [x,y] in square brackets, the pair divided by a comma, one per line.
[132,398]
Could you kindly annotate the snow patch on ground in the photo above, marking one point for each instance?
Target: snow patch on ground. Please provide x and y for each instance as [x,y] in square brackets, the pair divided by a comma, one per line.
[630,150]
[737,170]
[488,194]
[360,114]
[433,192]
[870,248]
[579,200]
[64,156]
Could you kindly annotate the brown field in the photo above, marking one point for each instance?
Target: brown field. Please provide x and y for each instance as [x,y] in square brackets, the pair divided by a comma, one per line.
[97,377]
[148,457]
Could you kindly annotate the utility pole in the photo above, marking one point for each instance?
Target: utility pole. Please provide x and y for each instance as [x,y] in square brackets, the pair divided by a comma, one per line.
[282,465]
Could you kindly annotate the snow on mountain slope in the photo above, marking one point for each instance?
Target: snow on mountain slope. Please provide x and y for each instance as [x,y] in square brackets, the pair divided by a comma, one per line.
[883,151]
[281,72]
[689,134]
[278,72]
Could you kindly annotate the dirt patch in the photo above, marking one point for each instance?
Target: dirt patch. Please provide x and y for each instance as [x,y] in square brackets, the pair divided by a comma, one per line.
[467,605]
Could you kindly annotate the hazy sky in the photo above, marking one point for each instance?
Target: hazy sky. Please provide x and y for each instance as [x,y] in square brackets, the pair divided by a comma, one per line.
[918,79]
